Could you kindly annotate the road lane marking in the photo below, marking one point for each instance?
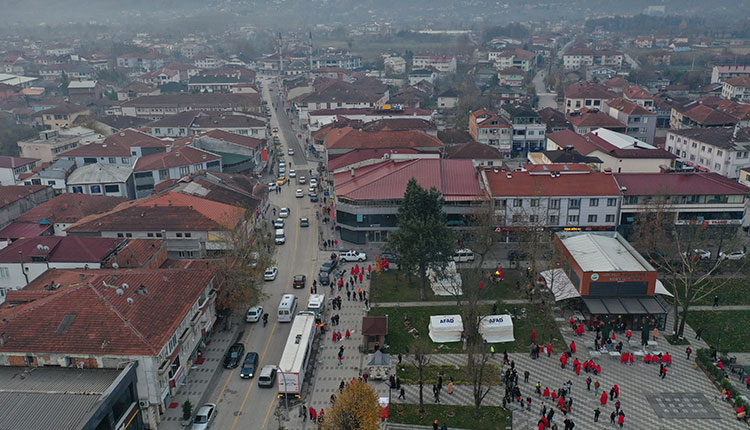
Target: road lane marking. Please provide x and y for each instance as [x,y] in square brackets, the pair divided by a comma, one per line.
[268,342]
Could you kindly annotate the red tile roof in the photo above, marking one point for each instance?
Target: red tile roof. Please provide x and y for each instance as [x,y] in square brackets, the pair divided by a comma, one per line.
[473,151]
[13,193]
[527,184]
[246,141]
[556,167]
[117,145]
[635,92]
[70,207]
[484,119]
[19,230]
[349,138]
[593,119]
[171,211]
[660,184]
[62,249]
[84,314]
[588,90]
[739,81]
[457,180]
[566,138]
[7,162]
[628,107]
[177,157]
[360,155]
[136,253]
[705,115]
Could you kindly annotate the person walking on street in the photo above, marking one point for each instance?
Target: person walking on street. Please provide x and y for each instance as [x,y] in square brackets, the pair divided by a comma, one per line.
[716,302]
[596,387]
[597,412]
[698,333]
[588,383]
[402,394]
[621,419]
[612,417]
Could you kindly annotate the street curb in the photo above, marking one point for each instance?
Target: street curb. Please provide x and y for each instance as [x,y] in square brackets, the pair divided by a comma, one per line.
[216,372]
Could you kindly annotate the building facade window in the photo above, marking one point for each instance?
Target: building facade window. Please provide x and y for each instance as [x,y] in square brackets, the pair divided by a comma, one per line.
[572,219]
[593,202]
[609,218]
[554,204]
[575,203]
[592,218]
[611,202]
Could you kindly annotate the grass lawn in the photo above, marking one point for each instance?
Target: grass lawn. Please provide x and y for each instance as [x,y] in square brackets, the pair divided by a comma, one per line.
[674,340]
[399,339]
[730,325]
[394,286]
[409,374]
[733,292]
[490,417]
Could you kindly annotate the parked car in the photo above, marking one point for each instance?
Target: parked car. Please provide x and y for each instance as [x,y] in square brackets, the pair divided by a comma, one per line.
[329,265]
[313,197]
[234,355]
[249,365]
[254,314]
[304,222]
[391,257]
[352,255]
[204,417]
[270,273]
[313,182]
[284,212]
[299,281]
[734,255]
[700,254]
[272,186]
[324,277]
[267,376]
[278,223]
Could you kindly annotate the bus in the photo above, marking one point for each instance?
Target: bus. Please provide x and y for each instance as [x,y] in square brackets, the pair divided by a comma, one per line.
[291,373]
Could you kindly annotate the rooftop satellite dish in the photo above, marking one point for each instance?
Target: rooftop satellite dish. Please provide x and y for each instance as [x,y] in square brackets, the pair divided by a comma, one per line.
[120,291]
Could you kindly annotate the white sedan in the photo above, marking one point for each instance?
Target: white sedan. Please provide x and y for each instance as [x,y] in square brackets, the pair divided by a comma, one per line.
[299,193]
[292,173]
[271,186]
[290,151]
[270,273]
[735,255]
[254,314]
[284,212]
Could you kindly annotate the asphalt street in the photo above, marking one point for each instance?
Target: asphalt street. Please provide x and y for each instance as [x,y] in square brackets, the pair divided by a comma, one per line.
[241,403]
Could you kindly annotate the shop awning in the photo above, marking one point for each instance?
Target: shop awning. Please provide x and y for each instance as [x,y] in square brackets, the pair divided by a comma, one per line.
[660,289]
[640,305]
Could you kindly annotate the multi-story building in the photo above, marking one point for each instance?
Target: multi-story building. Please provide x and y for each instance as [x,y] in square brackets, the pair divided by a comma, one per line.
[190,123]
[690,198]
[639,96]
[102,179]
[66,209]
[640,122]
[588,95]
[513,58]
[105,319]
[737,88]
[121,149]
[159,106]
[142,62]
[12,167]
[61,116]
[696,115]
[441,63]
[17,199]
[368,197]
[528,129]
[341,61]
[584,57]
[553,196]
[176,163]
[618,152]
[394,65]
[491,129]
[724,150]
[721,73]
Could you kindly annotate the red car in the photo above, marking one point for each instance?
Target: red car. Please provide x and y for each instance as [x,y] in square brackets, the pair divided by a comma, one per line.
[299,281]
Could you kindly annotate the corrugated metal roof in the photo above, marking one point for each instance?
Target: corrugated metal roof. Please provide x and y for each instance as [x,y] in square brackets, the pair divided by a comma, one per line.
[99,174]
[600,253]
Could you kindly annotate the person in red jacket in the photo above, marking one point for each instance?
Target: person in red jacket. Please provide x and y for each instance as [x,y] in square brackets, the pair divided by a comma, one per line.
[573,347]
[546,391]
[603,398]
[621,419]
[617,391]
[549,349]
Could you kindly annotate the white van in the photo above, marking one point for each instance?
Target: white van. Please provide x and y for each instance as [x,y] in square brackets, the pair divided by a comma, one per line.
[463,255]
[317,304]
[280,236]
[287,308]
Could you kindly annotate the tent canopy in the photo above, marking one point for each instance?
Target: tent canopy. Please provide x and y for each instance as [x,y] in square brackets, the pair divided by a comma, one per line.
[446,328]
[559,283]
[660,289]
[497,328]
[445,281]
[380,358]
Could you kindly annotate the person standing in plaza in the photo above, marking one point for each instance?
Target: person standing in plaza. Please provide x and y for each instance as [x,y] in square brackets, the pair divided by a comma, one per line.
[603,398]
[526,376]
[402,394]
[588,383]
[597,412]
[688,351]
[621,419]
[596,387]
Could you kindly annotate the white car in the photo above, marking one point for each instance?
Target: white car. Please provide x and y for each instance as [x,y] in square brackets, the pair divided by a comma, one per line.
[702,254]
[204,417]
[270,273]
[299,193]
[290,151]
[735,255]
[352,255]
[275,129]
[311,190]
[254,314]
[272,186]
[284,212]
[301,179]
[313,182]
[278,223]
[292,173]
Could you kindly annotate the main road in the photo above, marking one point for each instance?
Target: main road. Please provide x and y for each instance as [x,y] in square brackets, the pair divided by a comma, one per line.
[240,402]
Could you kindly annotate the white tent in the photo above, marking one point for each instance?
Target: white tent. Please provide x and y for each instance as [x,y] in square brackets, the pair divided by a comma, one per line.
[660,289]
[446,281]
[446,328]
[497,328]
[557,281]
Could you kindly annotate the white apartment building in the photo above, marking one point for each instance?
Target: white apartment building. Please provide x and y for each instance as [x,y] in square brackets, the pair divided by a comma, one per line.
[737,88]
[724,150]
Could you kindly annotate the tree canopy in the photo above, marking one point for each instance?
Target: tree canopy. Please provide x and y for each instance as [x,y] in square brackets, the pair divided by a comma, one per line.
[356,408]
[423,238]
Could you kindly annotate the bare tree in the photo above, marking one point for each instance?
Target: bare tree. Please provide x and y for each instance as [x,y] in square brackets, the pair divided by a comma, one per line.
[420,359]
[689,257]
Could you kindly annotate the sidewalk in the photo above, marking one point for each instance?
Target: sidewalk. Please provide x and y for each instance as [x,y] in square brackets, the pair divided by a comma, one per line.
[201,378]
[444,303]
[721,308]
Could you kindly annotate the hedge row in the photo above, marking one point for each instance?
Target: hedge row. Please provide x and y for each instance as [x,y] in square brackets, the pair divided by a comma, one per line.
[704,360]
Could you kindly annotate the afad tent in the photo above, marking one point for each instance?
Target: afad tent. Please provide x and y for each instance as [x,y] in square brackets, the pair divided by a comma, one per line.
[446,328]
[496,328]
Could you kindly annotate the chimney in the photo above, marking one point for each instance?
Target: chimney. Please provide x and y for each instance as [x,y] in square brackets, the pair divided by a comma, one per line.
[351,170]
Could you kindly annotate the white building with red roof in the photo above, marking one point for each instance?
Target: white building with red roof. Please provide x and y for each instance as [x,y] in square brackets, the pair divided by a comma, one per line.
[12,167]
[178,162]
[737,88]
[104,319]
[554,196]
[368,197]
